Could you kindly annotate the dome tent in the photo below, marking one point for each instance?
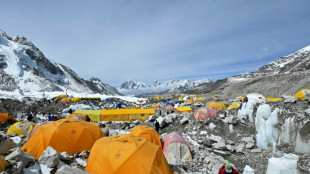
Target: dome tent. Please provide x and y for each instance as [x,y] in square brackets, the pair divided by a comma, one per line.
[205,113]
[126,154]
[147,133]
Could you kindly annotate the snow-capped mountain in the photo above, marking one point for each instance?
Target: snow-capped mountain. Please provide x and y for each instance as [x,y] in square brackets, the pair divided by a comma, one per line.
[25,70]
[139,88]
[298,61]
[285,75]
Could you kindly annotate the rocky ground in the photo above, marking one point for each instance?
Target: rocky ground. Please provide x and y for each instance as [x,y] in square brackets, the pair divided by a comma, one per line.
[212,142]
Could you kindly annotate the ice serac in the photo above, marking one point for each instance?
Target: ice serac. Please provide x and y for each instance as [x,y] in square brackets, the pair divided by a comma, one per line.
[284,165]
[24,70]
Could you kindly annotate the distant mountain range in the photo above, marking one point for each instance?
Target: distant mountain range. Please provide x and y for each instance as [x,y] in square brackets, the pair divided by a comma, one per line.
[286,74]
[25,70]
[140,89]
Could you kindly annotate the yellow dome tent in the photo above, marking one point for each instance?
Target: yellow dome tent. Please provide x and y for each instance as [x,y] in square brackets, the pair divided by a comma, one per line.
[21,128]
[273,99]
[216,105]
[302,93]
[3,164]
[4,117]
[184,109]
[234,106]
[66,135]
[147,133]
[126,154]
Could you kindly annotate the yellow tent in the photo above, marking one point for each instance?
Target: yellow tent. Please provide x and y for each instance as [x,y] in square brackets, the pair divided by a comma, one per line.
[4,117]
[147,133]
[234,106]
[273,99]
[75,99]
[64,100]
[184,109]
[126,154]
[66,135]
[216,105]
[3,164]
[240,99]
[126,114]
[181,97]
[94,115]
[302,93]
[21,128]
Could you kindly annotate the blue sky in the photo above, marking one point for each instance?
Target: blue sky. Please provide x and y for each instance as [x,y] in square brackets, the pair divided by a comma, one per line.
[160,40]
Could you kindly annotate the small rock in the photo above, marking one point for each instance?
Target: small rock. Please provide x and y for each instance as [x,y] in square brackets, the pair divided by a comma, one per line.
[21,156]
[81,162]
[219,145]
[84,154]
[240,148]
[152,118]
[49,157]
[230,142]
[256,150]
[249,145]
[184,120]
[64,156]
[105,130]
[65,169]
[216,139]
[248,140]
[5,146]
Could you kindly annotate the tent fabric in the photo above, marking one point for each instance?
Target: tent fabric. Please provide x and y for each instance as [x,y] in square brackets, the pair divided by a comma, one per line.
[302,94]
[4,117]
[70,116]
[94,115]
[126,114]
[176,150]
[205,113]
[37,126]
[65,135]
[147,133]
[126,154]
[184,109]
[273,99]
[155,106]
[216,105]
[190,101]
[138,107]
[65,100]
[3,164]
[75,99]
[21,128]
[234,106]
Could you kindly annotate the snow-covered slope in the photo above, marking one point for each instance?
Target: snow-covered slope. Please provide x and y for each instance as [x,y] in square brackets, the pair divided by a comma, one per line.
[25,70]
[286,74]
[139,88]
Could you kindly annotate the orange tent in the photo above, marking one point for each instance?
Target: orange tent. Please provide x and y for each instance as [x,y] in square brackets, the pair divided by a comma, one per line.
[216,105]
[190,101]
[64,100]
[3,164]
[147,133]
[4,117]
[69,135]
[138,107]
[126,154]
[155,106]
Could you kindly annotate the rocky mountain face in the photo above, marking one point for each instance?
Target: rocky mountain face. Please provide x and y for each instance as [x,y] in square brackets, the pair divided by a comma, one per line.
[24,69]
[141,89]
[286,75]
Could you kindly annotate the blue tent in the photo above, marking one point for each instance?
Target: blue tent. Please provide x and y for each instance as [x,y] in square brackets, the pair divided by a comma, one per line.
[169,104]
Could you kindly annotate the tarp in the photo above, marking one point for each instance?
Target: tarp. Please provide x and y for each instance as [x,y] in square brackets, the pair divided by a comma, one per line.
[184,109]
[126,114]
[216,105]
[4,117]
[94,115]
[69,135]
[126,154]
[3,164]
[147,133]
[234,106]
[273,99]
[302,93]
[205,113]
[21,128]
[176,150]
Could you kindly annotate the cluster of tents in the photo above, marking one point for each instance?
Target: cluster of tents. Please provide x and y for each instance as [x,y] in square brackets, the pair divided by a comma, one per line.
[140,151]
[66,98]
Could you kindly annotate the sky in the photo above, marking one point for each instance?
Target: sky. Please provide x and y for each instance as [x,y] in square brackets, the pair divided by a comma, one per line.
[160,40]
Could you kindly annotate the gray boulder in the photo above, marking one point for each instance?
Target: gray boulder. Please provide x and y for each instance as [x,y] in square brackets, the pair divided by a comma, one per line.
[49,157]
[65,169]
